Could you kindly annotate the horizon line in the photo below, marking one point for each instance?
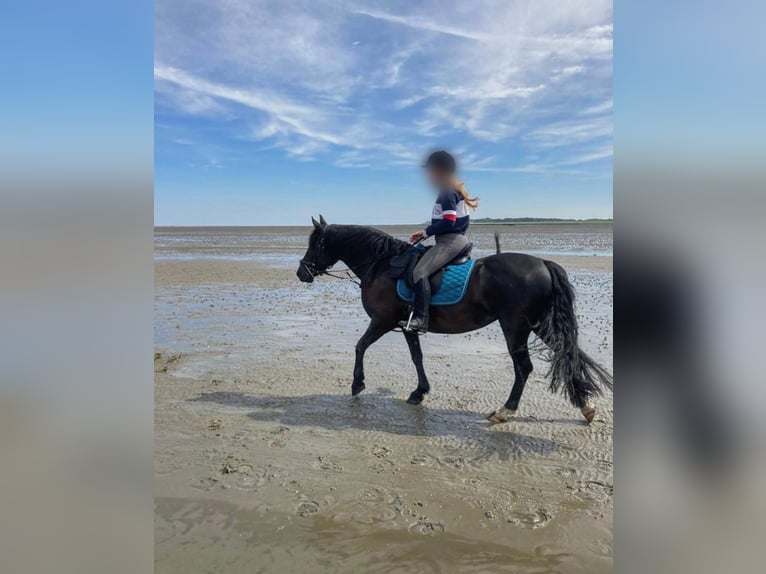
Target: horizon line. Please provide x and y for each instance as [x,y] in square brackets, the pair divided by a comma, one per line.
[497,221]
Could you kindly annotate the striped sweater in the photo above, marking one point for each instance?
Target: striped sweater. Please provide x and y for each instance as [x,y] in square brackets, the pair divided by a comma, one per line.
[449,215]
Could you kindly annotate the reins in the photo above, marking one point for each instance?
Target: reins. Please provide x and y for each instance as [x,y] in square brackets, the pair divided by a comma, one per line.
[349,276]
[349,271]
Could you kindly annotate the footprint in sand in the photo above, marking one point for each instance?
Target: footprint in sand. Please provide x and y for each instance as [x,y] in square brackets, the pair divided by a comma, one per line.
[454,461]
[379,451]
[384,466]
[426,528]
[536,518]
[307,508]
[423,459]
[379,495]
[163,467]
[327,464]
[208,483]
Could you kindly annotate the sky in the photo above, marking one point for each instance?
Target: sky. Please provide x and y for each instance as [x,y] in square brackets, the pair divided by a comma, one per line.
[269,112]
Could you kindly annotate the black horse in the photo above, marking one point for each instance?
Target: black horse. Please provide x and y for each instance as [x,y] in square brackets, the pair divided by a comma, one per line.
[525,293]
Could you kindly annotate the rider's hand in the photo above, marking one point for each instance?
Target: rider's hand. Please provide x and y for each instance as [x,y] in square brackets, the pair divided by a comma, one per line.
[418,235]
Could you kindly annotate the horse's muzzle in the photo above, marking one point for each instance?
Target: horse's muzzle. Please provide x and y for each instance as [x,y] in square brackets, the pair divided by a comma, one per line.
[304,274]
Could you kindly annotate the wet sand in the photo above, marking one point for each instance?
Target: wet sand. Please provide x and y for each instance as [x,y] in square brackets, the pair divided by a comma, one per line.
[265,463]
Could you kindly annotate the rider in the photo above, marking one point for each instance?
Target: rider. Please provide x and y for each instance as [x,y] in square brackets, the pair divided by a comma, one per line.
[449,222]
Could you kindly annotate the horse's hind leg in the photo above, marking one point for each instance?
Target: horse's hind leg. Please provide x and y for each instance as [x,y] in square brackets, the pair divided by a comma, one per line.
[413,342]
[516,339]
[374,332]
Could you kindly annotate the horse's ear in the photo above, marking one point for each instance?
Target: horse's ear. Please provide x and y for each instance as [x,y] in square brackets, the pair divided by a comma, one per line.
[317,225]
[322,221]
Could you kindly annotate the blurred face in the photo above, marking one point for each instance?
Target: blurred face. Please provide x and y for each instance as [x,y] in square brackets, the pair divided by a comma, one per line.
[437,178]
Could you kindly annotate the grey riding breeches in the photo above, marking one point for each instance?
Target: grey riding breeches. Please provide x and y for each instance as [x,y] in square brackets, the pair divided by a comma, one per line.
[447,247]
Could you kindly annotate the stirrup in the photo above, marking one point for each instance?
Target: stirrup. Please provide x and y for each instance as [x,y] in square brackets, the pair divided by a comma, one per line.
[406,325]
[409,320]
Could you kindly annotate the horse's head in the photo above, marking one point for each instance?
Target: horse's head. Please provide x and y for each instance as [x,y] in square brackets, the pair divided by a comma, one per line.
[316,260]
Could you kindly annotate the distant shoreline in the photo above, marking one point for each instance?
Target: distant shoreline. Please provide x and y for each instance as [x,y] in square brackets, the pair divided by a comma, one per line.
[482,221]
[533,220]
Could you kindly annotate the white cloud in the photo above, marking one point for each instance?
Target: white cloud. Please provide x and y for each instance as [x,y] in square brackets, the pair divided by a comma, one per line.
[386,83]
[602,108]
[571,132]
[424,24]
[597,154]
[203,89]
[285,118]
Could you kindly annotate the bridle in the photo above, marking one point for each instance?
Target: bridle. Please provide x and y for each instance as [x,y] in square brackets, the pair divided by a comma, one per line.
[313,266]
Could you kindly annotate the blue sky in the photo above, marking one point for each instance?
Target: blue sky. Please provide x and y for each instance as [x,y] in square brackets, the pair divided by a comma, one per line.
[269,112]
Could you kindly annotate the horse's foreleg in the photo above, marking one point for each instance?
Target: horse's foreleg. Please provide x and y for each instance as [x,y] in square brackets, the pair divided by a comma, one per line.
[516,340]
[413,342]
[374,332]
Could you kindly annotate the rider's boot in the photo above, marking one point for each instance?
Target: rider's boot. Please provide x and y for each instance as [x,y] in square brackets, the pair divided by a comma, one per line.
[419,321]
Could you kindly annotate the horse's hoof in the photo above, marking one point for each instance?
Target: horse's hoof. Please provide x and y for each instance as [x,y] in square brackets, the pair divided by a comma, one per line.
[588,411]
[501,415]
[356,389]
[415,399]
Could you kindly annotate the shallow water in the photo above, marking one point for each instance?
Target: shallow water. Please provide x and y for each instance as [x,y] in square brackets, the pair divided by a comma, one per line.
[264,462]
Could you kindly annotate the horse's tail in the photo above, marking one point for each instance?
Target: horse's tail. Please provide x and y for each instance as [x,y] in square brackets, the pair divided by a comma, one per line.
[571,367]
[497,242]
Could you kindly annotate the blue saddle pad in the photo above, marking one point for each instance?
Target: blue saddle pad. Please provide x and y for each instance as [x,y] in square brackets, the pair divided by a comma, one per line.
[452,290]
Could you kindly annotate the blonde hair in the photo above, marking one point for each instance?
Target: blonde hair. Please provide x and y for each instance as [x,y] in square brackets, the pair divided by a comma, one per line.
[472,202]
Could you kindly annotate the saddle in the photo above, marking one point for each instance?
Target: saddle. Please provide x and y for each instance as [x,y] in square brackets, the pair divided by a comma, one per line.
[402,266]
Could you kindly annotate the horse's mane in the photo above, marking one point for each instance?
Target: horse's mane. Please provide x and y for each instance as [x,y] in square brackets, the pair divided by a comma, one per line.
[359,240]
